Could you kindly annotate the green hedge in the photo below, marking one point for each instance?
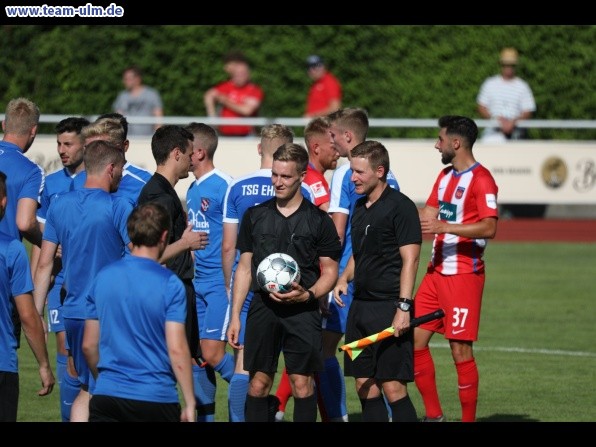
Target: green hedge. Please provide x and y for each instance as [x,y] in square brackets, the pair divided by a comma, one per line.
[402,71]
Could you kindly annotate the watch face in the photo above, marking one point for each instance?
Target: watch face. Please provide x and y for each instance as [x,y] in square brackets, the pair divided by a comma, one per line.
[404,306]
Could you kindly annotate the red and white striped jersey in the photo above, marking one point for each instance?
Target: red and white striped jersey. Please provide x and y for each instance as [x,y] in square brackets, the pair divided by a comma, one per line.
[462,198]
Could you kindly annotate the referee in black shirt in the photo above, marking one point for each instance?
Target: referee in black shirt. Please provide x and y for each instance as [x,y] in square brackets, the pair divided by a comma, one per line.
[288,322]
[386,241]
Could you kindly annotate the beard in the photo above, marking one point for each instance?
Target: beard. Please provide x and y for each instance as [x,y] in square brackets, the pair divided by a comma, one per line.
[447,157]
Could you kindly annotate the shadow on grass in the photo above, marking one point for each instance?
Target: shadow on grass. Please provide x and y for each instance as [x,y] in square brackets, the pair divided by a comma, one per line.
[500,417]
[497,417]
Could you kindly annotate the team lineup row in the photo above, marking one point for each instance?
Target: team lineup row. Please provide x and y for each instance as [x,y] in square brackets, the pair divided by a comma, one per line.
[128,330]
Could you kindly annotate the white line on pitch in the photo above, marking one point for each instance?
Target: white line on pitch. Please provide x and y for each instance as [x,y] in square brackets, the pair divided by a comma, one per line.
[524,350]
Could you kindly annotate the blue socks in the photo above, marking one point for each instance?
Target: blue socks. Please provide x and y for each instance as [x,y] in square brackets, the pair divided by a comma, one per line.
[333,389]
[69,387]
[205,387]
[237,392]
[225,368]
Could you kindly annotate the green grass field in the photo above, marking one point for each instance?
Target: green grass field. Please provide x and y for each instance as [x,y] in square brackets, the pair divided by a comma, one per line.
[536,352]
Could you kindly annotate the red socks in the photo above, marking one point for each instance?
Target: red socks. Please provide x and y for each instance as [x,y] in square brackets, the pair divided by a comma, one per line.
[424,376]
[467,382]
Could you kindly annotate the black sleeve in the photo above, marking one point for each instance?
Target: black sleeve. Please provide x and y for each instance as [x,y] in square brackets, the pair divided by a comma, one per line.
[329,245]
[245,242]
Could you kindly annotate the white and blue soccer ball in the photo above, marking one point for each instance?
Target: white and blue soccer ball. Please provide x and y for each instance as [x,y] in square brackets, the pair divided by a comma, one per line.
[276,273]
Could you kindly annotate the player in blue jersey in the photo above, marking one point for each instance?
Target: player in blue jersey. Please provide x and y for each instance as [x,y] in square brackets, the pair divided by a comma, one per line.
[204,205]
[70,149]
[113,128]
[15,292]
[348,128]
[24,178]
[136,313]
[90,226]
[244,192]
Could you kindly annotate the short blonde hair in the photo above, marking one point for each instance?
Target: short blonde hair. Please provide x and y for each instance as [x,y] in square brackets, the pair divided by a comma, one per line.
[21,116]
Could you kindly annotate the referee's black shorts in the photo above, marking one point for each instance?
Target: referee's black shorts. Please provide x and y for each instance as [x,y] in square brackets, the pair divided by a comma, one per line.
[294,329]
[388,359]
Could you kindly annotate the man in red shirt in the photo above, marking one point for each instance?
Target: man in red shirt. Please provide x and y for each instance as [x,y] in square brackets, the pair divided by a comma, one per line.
[324,96]
[237,97]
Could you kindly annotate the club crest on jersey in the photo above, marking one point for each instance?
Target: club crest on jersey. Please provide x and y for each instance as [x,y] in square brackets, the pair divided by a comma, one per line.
[459,193]
[204,204]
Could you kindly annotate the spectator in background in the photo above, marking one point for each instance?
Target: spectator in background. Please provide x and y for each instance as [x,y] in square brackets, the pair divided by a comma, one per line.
[138,99]
[507,99]
[238,97]
[324,96]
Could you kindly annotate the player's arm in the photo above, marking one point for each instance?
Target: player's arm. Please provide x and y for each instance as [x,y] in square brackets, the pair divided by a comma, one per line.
[27,222]
[324,206]
[228,251]
[484,229]
[242,283]
[43,274]
[410,255]
[179,354]
[190,240]
[91,345]
[35,335]
[340,220]
[328,278]
[341,287]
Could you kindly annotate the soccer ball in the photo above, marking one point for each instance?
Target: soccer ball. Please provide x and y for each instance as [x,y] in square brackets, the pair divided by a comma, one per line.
[276,273]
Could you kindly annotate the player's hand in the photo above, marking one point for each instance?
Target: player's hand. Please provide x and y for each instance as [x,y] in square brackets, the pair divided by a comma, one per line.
[47,381]
[188,414]
[196,240]
[401,323]
[294,296]
[341,288]
[431,225]
[233,333]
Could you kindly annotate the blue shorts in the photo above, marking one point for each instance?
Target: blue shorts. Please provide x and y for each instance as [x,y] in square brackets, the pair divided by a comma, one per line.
[55,321]
[75,329]
[337,320]
[212,309]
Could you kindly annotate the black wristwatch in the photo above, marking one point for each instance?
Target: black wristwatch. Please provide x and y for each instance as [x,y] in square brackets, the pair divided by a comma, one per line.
[311,296]
[404,304]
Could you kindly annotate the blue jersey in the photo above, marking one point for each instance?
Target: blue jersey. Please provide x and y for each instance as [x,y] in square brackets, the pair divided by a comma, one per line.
[56,184]
[24,180]
[251,190]
[343,198]
[205,207]
[132,299]
[15,279]
[133,180]
[90,224]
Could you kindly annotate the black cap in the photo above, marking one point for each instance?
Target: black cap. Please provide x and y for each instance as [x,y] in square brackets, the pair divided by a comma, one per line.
[313,60]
